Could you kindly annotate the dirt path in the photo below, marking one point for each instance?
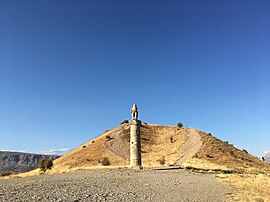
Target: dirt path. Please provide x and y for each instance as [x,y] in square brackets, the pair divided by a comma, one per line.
[115,185]
[190,147]
[117,145]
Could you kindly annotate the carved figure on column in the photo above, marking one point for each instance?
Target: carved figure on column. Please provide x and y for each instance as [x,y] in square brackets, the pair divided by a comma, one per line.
[135,142]
[134,112]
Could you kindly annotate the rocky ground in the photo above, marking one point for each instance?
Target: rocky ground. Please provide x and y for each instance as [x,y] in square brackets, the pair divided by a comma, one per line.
[115,185]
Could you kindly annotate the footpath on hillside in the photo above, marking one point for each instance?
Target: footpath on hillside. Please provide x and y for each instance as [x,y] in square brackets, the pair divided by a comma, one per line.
[190,147]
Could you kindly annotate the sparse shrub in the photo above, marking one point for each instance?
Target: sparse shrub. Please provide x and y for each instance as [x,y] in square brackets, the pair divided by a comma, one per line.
[189,168]
[259,200]
[144,125]
[108,137]
[162,160]
[45,164]
[244,150]
[125,121]
[105,161]
[171,139]
[93,141]
[180,125]
[227,142]
[209,156]
[143,151]
[83,146]
[5,174]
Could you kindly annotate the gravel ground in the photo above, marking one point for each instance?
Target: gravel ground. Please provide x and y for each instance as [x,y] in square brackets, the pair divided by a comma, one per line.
[115,185]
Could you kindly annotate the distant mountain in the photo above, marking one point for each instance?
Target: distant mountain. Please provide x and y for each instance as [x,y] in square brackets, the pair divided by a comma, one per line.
[267,156]
[20,162]
[57,152]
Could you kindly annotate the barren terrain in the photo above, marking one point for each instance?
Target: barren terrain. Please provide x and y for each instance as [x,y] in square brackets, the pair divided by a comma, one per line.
[162,147]
[248,187]
[116,185]
[185,147]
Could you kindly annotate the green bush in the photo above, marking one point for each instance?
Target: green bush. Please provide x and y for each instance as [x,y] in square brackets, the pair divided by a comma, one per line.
[171,139]
[162,160]
[245,151]
[125,121]
[45,164]
[105,161]
[209,156]
[5,174]
[180,125]
[108,137]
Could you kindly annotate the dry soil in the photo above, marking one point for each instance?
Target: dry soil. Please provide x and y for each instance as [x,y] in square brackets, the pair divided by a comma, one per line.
[115,185]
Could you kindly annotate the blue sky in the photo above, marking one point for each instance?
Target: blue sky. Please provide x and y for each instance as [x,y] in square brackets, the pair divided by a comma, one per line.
[69,70]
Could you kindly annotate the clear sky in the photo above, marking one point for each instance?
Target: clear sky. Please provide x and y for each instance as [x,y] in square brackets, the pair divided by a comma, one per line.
[69,70]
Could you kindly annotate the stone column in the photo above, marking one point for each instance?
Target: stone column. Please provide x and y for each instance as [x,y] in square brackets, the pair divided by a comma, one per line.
[135,145]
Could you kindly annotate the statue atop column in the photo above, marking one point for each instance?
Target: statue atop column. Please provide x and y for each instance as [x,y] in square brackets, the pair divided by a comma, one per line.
[135,140]
[134,112]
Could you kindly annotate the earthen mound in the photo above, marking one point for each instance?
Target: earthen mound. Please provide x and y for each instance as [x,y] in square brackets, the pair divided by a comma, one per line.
[161,146]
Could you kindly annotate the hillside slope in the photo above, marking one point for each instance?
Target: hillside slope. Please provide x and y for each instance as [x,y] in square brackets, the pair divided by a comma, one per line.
[161,146]
[216,154]
[157,142]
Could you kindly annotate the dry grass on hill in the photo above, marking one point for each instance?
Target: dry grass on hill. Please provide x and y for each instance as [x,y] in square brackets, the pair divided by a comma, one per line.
[170,145]
[89,154]
[248,187]
[252,181]
[216,154]
[160,145]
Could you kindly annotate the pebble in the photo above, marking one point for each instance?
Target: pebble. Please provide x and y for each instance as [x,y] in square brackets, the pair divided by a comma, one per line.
[96,185]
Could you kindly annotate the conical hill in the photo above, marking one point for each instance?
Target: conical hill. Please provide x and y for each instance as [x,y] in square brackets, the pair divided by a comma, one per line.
[162,146]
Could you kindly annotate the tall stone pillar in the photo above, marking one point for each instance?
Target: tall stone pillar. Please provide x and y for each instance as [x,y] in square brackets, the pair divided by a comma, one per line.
[135,142]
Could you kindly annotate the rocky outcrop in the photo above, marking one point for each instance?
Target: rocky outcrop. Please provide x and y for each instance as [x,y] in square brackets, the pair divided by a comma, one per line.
[20,162]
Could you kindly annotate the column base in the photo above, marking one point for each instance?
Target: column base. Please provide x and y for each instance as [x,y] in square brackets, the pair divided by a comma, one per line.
[136,167]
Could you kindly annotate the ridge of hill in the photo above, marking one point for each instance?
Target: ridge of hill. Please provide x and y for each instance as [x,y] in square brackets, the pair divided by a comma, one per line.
[161,146]
[17,162]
